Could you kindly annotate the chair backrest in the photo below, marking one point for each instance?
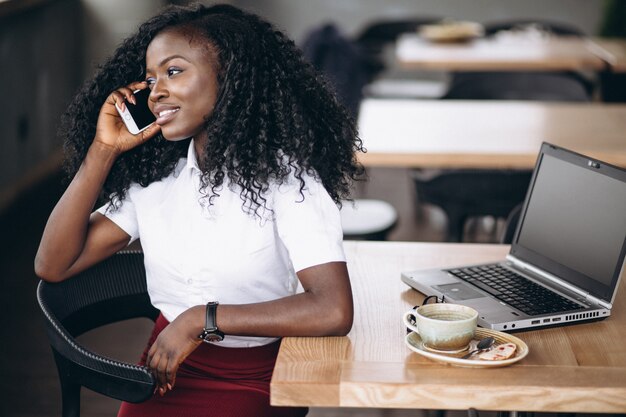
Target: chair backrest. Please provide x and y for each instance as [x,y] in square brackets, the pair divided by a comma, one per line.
[511,224]
[520,85]
[381,32]
[464,193]
[341,62]
[477,192]
[377,34]
[110,291]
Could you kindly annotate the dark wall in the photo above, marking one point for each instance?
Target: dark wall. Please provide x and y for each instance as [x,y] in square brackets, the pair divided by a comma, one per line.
[40,70]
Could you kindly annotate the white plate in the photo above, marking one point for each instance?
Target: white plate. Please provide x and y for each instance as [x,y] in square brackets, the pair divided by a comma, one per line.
[414,342]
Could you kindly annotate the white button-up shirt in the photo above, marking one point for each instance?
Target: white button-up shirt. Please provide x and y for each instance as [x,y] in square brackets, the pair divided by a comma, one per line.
[195,253]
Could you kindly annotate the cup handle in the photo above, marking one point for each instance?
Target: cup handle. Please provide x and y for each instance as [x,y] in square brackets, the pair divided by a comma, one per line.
[409,320]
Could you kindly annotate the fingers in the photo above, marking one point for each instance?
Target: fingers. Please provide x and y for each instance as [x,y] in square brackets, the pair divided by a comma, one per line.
[168,351]
[150,132]
[170,374]
[164,369]
[138,85]
[161,371]
[153,362]
[119,96]
[127,94]
[158,366]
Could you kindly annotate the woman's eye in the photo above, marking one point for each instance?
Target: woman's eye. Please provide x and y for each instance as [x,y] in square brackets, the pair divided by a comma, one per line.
[150,82]
[173,71]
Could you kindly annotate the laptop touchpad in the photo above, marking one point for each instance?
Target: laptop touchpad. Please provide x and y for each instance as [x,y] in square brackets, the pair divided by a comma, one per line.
[458,291]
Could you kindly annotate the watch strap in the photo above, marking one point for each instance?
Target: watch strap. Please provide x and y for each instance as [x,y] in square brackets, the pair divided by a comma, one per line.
[210,322]
[211,333]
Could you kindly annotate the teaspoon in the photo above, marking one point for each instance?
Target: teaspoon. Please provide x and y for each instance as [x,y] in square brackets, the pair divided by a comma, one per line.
[483,344]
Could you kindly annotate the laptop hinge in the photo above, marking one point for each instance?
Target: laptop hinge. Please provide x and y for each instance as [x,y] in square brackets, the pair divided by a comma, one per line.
[558,281]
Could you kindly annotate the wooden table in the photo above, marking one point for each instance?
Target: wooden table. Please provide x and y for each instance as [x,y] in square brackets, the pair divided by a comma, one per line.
[486,134]
[493,54]
[579,368]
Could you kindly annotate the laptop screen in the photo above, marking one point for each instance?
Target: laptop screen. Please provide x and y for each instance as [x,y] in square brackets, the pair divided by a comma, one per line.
[573,224]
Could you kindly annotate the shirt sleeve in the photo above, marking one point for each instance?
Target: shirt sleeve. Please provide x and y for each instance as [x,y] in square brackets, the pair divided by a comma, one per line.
[309,224]
[125,216]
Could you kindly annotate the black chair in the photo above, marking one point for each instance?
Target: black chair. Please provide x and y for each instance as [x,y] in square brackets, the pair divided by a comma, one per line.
[341,62]
[376,35]
[112,291]
[350,64]
[613,87]
[510,226]
[465,193]
[388,80]
[519,85]
[613,84]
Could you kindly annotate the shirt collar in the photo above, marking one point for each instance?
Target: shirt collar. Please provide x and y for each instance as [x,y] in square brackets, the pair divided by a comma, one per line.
[192,157]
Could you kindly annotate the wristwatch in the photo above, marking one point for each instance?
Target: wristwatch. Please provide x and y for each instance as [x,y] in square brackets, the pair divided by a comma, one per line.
[211,333]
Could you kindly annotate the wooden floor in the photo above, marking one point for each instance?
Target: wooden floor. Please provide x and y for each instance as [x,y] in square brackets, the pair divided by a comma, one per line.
[28,383]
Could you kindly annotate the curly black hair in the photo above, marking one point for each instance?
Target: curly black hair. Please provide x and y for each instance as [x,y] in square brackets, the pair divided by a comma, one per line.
[274,113]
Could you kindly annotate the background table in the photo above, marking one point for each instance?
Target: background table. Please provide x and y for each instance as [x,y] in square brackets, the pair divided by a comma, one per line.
[492,54]
[579,368]
[486,134]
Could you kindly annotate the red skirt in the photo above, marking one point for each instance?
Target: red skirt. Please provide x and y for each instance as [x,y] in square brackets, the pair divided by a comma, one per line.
[216,381]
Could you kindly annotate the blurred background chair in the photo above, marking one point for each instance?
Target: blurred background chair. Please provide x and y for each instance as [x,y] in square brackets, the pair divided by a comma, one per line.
[510,225]
[376,41]
[613,84]
[111,291]
[377,35]
[341,62]
[367,219]
[519,85]
[365,66]
[466,193]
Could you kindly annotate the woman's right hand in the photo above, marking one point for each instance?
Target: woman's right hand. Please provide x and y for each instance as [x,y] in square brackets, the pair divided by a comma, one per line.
[111,131]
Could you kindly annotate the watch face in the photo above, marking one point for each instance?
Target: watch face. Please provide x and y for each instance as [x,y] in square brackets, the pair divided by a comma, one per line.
[208,336]
[214,338]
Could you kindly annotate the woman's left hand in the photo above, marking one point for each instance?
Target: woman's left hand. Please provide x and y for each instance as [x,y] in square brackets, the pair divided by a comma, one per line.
[172,347]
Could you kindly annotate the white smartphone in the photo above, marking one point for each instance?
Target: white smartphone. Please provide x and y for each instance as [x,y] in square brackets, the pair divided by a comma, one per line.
[137,117]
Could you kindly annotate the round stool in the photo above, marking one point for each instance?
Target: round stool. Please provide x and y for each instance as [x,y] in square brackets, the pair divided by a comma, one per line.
[366,219]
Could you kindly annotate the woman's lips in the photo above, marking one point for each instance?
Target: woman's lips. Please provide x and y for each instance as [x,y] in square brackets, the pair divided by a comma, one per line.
[164,116]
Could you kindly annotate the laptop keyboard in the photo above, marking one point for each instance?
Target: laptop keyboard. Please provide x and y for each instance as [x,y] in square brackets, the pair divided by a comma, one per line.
[515,290]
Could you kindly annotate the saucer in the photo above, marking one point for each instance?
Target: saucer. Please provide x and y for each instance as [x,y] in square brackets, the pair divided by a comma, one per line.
[415,343]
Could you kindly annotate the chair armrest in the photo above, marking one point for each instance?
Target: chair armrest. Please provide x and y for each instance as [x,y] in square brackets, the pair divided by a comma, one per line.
[116,379]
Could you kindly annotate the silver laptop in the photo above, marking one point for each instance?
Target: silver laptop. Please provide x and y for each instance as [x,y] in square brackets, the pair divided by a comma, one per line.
[566,258]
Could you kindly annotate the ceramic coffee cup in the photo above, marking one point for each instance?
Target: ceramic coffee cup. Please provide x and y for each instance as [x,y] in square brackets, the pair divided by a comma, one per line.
[443,327]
